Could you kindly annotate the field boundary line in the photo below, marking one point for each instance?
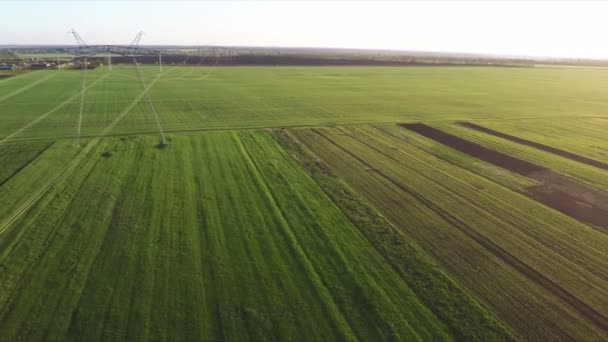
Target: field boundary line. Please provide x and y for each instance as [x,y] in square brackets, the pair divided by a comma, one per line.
[27,87]
[56,108]
[7,223]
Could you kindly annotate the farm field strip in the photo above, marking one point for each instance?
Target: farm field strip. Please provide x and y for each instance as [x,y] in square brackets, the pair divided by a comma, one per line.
[458,257]
[445,174]
[581,202]
[546,148]
[583,136]
[462,212]
[462,315]
[369,232]
[589,175]
[463,180]
[210,272]
[508,179]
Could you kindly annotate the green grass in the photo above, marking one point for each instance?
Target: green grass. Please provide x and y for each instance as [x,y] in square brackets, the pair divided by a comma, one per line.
[463,316]
[16,156]
[344,226]
[448,211]
[588,174]
[506,178]
[220,236]
[204,98]
[586,137]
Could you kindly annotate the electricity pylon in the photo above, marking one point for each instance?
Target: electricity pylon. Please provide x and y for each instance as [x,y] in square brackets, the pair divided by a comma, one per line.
[84,51]
[81,44]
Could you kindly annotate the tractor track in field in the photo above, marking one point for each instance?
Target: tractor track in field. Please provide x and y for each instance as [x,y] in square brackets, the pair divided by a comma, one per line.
[543,147]
[588,312]
[572,198]
[29,203]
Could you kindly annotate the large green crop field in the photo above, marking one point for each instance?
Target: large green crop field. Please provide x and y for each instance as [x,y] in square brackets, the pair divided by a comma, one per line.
[303,203]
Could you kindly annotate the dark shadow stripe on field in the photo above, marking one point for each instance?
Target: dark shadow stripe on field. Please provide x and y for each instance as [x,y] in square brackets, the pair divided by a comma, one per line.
[546,148]
[577,200]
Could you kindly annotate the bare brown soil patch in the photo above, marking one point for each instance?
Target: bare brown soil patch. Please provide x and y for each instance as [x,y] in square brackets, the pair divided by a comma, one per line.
[546,148]
[579,201]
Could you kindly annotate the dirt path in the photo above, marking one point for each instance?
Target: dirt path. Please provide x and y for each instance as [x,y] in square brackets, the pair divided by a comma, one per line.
[546,148]
[579,201]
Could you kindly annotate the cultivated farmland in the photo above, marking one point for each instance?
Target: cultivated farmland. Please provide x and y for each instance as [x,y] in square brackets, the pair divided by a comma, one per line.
[314,203]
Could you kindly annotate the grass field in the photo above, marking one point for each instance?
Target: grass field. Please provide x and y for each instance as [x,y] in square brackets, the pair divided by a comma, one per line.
[289,204]
[259,97]
[462,218]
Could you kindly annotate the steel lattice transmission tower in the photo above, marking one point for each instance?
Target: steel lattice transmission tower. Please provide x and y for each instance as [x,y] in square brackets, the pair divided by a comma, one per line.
[83,52]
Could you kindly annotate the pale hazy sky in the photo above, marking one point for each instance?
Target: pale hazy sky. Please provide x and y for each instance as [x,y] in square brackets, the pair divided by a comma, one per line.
[544,28]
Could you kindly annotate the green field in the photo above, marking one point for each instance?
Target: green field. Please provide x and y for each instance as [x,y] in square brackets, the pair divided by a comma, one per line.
[290,205]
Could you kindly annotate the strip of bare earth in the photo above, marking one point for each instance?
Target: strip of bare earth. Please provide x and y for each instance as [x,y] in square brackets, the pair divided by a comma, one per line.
[579,201]
[546,148]
[466,319]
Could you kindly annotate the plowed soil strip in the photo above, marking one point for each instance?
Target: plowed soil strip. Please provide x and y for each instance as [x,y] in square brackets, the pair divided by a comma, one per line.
[579,201]
[546,148]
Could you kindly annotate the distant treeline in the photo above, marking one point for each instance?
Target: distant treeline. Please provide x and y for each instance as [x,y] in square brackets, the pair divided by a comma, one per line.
[295,56]
[253,59]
